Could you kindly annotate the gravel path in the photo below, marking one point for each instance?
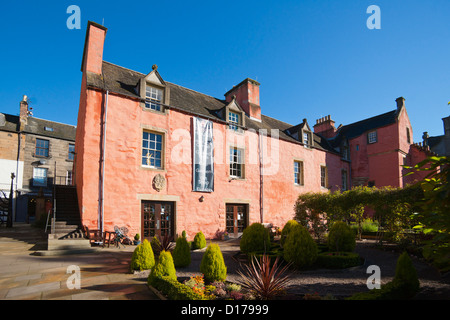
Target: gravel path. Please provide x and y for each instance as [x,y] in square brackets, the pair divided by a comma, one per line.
[337,283]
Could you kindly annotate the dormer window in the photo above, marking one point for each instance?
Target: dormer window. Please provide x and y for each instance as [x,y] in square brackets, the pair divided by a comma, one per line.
[154,92]
[234,121]
[307,139]
[153,98]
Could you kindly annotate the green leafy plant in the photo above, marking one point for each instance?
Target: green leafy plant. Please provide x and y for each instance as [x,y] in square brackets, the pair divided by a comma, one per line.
[182,253]
[286,229]
[255,238]
[143,257]
[163,268]
[300,249]
[213,265]
[263,279]
[199,241]
[341,238]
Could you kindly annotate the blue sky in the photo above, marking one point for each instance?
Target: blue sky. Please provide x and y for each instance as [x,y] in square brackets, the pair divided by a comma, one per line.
[313,58]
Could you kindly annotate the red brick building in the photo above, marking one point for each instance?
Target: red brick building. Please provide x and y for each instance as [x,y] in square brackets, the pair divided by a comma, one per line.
[139,140]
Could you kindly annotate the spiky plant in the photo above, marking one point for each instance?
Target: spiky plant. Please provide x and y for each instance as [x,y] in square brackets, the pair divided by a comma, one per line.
[263,280]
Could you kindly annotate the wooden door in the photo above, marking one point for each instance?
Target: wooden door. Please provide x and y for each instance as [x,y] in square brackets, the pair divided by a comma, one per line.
[157,219]
[236,219]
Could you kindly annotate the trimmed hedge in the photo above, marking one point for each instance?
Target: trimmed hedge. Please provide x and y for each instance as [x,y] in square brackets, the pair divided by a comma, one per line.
[286,229]
[175,290]
[338,260]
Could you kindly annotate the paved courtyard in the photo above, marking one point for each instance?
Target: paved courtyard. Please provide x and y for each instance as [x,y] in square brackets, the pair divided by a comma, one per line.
[104,275]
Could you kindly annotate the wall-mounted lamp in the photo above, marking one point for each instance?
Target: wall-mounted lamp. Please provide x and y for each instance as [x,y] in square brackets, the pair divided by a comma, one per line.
[202,198]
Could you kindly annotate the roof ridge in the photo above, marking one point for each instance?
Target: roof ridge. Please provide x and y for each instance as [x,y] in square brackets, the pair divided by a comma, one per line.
[164,81]
[65,124]
[383,114]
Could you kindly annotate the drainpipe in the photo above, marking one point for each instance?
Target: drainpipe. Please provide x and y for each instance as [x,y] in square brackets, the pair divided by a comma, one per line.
[102,176]
[261,177]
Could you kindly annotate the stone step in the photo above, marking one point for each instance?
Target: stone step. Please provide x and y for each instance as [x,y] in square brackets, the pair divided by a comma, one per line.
[68,244]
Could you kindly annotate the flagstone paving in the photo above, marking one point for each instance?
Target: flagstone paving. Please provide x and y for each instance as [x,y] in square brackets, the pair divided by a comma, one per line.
[104,275]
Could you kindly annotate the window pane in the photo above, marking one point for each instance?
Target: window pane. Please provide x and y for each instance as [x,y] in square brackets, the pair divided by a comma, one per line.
[152,150]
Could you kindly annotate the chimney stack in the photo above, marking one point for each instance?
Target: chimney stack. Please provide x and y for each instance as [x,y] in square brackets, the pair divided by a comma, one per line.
[325,127]
[24,112]
[400,103]
[247,96]
[93,48]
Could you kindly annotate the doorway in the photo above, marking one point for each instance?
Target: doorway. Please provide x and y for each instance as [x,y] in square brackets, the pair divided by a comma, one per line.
[157,219]
[236,219]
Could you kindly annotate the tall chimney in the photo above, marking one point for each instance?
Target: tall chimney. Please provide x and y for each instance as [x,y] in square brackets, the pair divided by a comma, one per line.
[24,112]
[325,127]
[93,48]
[400,103]
[247,96]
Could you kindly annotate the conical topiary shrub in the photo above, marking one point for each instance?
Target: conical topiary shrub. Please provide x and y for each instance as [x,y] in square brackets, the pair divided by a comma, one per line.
[199,241]
[213,265]
[255,238]
[300,248]
[143,257]
[406,276]
[163,268]
[286,229]
[182,253]
[341,238]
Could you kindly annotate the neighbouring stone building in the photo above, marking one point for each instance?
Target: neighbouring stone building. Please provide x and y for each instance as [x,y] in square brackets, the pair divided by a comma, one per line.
[159,158]
[40,154]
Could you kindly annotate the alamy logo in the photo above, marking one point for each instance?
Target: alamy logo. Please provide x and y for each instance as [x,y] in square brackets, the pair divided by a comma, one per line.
[374,281]
[74,21]
[74,280]
[374,21]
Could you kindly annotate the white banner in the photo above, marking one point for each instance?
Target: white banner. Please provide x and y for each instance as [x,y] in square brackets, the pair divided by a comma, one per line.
[203,164]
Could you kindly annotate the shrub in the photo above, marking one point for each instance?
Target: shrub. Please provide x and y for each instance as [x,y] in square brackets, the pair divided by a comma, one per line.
[286,229]
[143,257]
[199,241]
[175,290]
[405,284]
[341,238]
[263,279]
[406,275]
[255,238]
[300,249]
[163,268]
[213,265]
[182,253]
[338,260]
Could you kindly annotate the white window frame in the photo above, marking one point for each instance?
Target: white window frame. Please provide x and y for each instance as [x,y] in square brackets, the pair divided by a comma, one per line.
[69,177]
[152,149]
[38,173]
[324,177]
[234,120]
[153,98]
[372,137]
[237,163]
[298,173]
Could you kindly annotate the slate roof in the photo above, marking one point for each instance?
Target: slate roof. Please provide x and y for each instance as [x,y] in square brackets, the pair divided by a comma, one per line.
[125,82]
[356,129]
[37,126]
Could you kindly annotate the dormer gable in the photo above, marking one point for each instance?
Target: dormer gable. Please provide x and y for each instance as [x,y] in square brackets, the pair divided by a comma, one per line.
[154,92]
[303,133]
[233,114]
